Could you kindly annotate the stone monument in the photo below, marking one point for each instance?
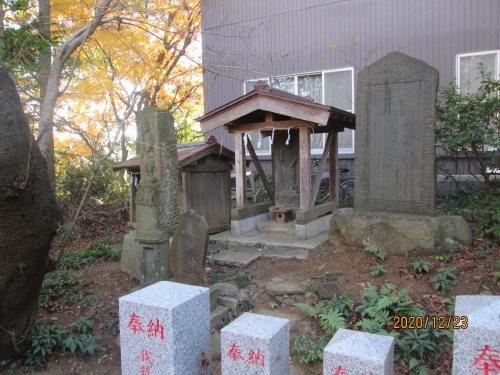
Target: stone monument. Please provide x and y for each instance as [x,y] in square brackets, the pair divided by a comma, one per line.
[157,201]
[188,250]
[395,178]
[395,136]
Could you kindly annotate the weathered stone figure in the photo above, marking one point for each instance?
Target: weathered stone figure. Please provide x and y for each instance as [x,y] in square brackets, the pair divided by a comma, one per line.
[157,194]
[28,218]
[286,166]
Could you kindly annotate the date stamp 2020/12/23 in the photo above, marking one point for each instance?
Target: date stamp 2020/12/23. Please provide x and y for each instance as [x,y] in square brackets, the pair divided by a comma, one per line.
[437,322]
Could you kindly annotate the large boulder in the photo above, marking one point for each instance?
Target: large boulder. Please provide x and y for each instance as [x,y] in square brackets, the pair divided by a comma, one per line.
[401,234]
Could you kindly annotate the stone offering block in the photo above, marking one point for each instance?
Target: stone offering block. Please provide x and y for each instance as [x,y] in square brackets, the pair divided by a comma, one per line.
[476,346]
[189,249]
[256,344]
[353,352]
[395,136]
[165,329]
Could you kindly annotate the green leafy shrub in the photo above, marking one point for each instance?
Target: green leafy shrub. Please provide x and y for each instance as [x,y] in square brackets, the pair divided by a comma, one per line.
[81,344]
[45,340]
[49,338]
[80,259]
[60,286]
[72,180]
[84,324]
[469,131]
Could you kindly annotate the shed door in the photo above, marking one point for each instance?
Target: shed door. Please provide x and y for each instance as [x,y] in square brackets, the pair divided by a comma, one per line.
[209,194]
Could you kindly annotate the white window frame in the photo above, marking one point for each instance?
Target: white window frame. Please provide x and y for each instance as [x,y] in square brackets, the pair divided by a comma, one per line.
[478,53]
[353,110]
[495,74]
[314,151]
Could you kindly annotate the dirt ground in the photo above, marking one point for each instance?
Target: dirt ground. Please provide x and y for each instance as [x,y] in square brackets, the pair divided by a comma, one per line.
[104,283]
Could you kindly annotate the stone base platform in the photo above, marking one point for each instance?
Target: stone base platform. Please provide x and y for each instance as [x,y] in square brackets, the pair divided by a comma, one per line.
[400,234]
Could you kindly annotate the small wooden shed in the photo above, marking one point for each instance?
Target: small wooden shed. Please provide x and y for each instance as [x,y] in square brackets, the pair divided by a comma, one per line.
[204,182]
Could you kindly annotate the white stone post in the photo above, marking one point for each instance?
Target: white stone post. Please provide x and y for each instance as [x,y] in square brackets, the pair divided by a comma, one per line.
[165,329]
[476,326]
[354,352]
[256,344]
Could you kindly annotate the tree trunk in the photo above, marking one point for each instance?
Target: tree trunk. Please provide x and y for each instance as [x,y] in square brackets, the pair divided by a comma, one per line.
[28,217]
[45,137]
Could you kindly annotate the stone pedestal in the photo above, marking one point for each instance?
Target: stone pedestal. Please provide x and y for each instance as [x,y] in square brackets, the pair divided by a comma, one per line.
[476,345]
[256,344]
[407,235]
[353,352]
[131,260]
[164,329]
[154,253]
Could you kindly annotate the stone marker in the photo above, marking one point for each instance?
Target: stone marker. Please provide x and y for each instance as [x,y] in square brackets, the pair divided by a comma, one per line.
[353,352]
[157,199]
[395,144]
[164,329]
[189,249]
[476,345]
[256,344]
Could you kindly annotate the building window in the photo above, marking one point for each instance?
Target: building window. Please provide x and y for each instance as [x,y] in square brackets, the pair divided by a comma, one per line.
[468,74]
[333,87]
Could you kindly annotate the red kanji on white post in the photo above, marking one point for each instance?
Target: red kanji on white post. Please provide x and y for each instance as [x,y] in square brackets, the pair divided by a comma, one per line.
[340,371]
[145,356]
[256,358]
[134,323]
[155,329]
[234,353]
[488,361]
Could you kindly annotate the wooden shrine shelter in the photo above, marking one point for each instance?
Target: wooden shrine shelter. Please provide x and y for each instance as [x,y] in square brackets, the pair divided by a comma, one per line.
[289,120]
[204,182]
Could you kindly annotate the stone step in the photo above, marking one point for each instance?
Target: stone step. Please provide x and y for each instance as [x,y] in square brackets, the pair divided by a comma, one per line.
[272,226]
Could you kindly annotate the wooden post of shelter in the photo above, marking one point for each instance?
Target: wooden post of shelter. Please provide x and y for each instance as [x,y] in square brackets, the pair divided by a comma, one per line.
[305,168]
[333,159]
[321,167]
[240,170]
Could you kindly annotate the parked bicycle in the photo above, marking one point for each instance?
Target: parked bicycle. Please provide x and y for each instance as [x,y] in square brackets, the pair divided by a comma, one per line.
[346,186]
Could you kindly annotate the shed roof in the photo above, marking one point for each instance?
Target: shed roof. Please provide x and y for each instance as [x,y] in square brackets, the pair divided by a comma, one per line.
[187,153]
[252,106]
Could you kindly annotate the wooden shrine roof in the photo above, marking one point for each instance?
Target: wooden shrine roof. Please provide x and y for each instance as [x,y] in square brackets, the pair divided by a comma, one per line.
[248,113]
[187,153]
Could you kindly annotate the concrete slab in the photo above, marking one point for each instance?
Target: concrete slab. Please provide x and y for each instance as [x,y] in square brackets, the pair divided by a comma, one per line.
[285,253]
[236,257]
[271,239]
[272,226]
